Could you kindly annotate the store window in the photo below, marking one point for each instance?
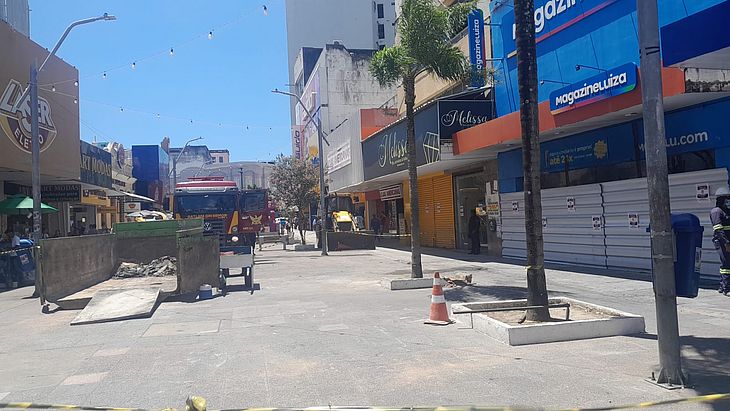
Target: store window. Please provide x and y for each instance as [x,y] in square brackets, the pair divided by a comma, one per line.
[470,193]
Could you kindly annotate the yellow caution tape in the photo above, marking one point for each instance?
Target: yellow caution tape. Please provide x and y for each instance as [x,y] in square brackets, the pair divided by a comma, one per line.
[195,403]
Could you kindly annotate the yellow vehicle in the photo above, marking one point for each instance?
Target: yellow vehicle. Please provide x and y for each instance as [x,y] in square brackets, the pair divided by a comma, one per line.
[340,209]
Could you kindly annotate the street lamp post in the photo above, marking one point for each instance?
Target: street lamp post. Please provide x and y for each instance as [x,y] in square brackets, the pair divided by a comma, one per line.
[174,162]
[32,90]
[320,137]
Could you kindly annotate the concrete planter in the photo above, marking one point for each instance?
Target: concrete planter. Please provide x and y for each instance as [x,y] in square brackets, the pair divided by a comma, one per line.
[406,283]
[610,323]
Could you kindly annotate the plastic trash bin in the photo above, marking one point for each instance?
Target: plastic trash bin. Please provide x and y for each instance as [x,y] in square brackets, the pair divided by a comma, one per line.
[688,253]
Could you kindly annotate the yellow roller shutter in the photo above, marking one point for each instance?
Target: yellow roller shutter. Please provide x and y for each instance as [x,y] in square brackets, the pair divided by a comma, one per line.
[426,211]
[443,207]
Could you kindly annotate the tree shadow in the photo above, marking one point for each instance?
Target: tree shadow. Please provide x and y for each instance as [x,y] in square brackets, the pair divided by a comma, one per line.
[706,361]
[472,293]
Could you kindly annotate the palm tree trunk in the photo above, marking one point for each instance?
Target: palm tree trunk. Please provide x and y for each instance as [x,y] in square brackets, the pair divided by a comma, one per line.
[409,87]
[527,85]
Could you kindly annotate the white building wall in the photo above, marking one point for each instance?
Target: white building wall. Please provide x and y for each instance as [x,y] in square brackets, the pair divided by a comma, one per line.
[345,138]
[314,23]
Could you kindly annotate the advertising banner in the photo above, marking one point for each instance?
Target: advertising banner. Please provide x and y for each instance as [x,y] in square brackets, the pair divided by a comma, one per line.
[131,207]
[457,115]
[476,48]
[96,166]
[61,193]
[338,158]
[58,111]
[391,193]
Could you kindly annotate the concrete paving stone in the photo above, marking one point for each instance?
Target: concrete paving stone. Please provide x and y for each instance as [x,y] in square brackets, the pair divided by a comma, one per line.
[182,328]
[109,352]
[84,378]
[3,395]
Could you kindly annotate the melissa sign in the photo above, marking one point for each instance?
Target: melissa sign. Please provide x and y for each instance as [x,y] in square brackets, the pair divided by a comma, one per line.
[476,48]
[607,84]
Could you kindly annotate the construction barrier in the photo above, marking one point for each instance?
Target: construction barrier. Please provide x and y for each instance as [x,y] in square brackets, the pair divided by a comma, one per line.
[195,403]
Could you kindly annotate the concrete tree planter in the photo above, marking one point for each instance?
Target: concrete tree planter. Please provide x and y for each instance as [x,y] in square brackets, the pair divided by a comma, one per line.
[586,321]
[406,283]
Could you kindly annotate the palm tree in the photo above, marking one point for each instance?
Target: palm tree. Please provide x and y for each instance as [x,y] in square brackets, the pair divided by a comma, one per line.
[527,84]
[425,30]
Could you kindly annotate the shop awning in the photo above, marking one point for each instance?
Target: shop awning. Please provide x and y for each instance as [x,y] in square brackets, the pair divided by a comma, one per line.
[115,193]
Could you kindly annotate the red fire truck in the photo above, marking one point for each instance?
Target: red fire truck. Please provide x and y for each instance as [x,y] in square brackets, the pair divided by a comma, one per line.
[225,210]
[213,199]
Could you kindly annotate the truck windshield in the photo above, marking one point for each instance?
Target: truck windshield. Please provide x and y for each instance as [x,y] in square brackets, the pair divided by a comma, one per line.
[253,201]
[339,203]
[205,203]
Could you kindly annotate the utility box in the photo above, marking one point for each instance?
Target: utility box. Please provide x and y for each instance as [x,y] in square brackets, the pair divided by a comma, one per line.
[688,253]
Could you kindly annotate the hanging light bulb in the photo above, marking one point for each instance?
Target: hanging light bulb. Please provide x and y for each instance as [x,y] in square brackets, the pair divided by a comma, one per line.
[266,10]
[210,35]
[121,109]
[103,76]
[76,83]
[191,121]
[53,88]
[134,65]
[158,115]
[172,52]
[76,101]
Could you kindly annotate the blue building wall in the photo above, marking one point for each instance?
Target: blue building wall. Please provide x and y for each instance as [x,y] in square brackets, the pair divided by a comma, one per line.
[598,33]
[150,166]
[700,127]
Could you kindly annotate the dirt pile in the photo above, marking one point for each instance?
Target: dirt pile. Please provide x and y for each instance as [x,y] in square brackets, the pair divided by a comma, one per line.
[161,267]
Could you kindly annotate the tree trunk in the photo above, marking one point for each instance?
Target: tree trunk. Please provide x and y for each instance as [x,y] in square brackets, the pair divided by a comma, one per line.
[409,87]
[527,85]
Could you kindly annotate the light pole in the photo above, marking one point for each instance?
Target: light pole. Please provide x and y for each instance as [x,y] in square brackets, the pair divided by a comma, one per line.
[320,136]
[32,90]
[174,162]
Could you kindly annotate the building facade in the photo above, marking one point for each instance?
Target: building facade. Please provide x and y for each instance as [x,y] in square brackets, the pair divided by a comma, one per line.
[17,14]
[356,23]
[339,85]
[595,203]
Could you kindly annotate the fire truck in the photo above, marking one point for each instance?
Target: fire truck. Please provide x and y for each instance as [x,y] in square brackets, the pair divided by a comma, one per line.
[212,199]
[230,213]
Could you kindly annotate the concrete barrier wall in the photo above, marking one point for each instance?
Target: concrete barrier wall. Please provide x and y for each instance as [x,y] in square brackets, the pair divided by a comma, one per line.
[198,262]
[145,249]
[71,264]
[344,240]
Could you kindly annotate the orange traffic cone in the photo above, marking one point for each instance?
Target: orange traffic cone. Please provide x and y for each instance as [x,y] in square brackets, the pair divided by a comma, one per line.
[439,311]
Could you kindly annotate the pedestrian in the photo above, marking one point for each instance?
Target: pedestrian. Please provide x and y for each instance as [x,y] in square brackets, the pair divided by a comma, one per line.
[475,223]
[375,225]
[720,218]
[318,231]
[12,236]
[301,225]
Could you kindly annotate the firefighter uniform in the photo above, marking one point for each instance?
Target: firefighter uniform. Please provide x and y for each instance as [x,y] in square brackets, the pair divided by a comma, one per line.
[721,239]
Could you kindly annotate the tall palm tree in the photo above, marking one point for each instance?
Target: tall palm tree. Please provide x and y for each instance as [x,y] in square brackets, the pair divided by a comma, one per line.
[425,29]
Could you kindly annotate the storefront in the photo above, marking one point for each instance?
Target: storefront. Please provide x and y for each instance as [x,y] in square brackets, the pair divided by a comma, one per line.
[594,196]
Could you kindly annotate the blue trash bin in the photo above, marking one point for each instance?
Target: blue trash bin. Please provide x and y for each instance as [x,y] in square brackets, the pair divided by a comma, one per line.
[688,242]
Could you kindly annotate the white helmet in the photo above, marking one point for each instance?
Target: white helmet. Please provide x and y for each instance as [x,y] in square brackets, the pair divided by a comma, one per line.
[722,192]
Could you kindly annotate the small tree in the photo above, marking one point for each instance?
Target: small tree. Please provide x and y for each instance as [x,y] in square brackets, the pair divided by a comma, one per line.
[293,184]
[425,29]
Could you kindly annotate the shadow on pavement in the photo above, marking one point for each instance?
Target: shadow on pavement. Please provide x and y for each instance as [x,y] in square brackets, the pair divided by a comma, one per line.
[706,361]
[483,258]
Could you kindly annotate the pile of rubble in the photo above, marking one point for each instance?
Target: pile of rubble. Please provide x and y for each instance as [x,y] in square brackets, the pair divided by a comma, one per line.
[161,267]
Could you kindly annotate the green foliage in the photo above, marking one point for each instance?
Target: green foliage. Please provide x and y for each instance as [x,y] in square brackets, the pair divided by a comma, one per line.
[293,182]
[425,30]
[458,14]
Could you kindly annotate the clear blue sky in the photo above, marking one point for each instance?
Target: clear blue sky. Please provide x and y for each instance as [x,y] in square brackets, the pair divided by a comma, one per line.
[225,80]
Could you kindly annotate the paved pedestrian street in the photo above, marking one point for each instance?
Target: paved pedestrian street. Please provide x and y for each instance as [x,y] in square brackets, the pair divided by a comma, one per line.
[323,331]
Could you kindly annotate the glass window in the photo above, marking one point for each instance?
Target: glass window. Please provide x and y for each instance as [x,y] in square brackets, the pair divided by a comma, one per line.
[205,203]
[381,12]
[220,159]
[253,201]
[381,31]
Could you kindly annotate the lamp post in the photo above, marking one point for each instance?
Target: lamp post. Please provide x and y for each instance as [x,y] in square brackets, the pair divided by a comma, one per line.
[174,162]
[32,90]
[320,136]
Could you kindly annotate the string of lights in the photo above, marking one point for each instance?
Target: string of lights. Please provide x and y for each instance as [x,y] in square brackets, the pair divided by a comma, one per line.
[167,51]
[159,115]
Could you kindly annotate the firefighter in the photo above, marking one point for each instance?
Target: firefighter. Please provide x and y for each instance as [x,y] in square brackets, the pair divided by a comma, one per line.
[720,218]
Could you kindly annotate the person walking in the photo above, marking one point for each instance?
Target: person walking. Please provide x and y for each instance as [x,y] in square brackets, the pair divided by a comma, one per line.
[475,224]
[720,219]
[317,227]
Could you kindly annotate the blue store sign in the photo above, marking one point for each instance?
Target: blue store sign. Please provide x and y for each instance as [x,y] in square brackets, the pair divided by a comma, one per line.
[476,48]
[610,83]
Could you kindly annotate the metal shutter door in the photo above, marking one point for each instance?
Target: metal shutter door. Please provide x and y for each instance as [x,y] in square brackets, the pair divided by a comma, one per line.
[443,206]
[513,225]
[569,236]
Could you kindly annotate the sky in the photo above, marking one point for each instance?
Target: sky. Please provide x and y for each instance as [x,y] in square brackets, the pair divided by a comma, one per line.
[222,84]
